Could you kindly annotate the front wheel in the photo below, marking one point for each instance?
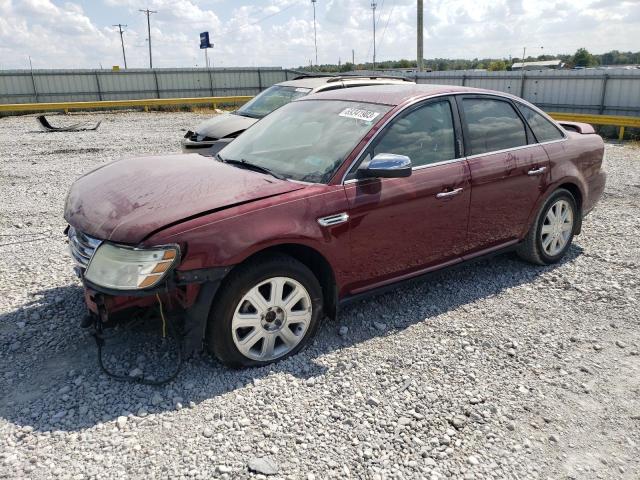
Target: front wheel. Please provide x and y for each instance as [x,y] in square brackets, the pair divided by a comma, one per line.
[552,232]
[266,310]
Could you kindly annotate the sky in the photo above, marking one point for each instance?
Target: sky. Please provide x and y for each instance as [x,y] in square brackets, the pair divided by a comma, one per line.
[79,34]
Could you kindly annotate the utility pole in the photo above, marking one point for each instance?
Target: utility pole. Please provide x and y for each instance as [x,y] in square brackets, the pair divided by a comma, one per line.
[148,12]
[124,56]
[373,8]
[420,40]
[353,57]
[315,34]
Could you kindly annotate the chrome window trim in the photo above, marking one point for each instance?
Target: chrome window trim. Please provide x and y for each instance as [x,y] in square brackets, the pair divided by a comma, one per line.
[564,139]
[504,150]
[413,169]
[449,94]
[435,164]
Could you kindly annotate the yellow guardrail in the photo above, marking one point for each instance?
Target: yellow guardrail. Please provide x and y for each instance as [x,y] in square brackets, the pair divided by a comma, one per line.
[145,103]
[615,120]
[619,121]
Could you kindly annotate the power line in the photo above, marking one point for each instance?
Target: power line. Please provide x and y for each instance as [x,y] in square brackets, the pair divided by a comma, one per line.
[387,24]
[267,16]
[420,32]
[148,12]
[315,34]
[379,14]
[373,8]
[124,56]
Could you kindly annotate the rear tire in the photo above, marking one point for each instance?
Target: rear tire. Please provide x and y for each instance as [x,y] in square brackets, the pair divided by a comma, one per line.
[266,310]
[552,232]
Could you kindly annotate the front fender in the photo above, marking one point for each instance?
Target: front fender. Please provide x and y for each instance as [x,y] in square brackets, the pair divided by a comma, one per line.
[230,236]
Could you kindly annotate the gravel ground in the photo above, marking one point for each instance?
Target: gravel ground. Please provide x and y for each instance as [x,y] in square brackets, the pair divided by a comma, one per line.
[495,370]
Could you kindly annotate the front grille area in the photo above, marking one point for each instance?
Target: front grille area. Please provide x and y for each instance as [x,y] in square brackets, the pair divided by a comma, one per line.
[195,137]
[81,246]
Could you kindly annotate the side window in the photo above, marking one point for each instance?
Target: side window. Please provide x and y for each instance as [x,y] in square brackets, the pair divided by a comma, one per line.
[492,125]
[425,135]
[543,129]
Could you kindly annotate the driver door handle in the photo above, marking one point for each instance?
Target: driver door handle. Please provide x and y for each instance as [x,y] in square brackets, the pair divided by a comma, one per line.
[537,171]
[449,194]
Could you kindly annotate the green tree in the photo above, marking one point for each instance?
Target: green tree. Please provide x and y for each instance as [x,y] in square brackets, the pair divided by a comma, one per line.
[582,58]
[497,65]
[347,67]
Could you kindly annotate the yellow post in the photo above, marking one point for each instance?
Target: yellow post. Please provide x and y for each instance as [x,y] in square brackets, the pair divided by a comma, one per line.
[621,134]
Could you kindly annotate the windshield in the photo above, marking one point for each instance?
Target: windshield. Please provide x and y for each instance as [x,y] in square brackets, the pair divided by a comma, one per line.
[271,99]
[306,140]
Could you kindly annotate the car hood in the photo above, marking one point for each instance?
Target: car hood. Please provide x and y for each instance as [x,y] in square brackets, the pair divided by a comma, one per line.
[127,200]
[224,125]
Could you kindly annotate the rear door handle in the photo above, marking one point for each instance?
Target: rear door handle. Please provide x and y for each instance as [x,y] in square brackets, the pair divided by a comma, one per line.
[537,171]
[449,194]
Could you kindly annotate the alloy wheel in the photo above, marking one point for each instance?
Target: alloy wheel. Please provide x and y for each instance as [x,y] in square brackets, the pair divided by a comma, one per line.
[557,227]
[271,319]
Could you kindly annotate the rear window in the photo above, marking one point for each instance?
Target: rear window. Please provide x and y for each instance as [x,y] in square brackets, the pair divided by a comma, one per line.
[492,125]
[543,129]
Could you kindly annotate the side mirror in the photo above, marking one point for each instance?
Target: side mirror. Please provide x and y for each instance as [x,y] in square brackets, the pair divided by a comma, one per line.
[386,165]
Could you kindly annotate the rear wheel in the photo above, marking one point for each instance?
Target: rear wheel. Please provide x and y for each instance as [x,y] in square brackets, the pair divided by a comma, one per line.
[266,311]
[552,233]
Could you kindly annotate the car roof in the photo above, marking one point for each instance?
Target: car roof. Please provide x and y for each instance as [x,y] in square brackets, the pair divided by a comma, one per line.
[320,81]
[394,94]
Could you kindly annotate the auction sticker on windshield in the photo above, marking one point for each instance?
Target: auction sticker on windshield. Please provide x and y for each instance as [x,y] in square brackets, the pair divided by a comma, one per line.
[359,114]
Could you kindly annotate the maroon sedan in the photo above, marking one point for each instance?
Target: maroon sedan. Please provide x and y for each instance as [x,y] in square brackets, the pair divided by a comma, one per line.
[329,198]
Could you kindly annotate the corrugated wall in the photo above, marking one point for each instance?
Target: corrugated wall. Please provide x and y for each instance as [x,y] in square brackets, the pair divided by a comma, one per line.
[24,86]
[609,92]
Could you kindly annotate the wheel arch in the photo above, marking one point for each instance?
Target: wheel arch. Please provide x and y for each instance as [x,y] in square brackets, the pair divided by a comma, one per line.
[573,187]
[315,261]
[575,191]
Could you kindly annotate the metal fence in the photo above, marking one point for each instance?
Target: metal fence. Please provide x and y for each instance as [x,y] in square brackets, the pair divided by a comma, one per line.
[602,92]
[37,86]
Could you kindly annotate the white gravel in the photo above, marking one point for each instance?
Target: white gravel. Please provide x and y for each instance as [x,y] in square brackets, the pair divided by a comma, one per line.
[495,370]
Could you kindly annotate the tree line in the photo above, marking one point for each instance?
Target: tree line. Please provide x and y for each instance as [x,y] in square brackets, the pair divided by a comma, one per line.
[581,58]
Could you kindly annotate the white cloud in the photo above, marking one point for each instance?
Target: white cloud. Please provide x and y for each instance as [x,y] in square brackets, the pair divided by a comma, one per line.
[280,32]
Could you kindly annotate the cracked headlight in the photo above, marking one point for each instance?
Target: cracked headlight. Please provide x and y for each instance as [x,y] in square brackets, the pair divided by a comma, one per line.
[125,268]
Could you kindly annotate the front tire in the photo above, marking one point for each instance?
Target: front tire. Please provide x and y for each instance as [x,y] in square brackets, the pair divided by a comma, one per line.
[552,232]
[266,310]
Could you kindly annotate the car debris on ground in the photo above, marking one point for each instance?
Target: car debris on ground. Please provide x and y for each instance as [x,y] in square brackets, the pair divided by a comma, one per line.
[76,127]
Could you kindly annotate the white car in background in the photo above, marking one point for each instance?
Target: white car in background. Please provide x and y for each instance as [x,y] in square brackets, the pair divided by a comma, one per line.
[214,134]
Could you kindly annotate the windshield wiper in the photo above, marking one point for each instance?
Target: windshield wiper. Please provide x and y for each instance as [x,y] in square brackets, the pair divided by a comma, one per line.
[242,163]
[246,114]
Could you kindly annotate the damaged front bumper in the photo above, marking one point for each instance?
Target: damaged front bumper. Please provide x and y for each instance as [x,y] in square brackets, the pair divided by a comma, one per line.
[184,295]
[194,143]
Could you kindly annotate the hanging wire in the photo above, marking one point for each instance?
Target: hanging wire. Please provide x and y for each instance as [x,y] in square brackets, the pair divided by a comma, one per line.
[387,24]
